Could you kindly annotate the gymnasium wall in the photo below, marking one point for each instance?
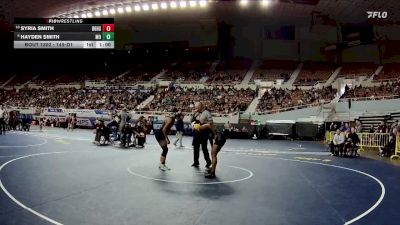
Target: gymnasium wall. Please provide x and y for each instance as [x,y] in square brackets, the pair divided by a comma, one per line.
[250,42]
[362,53]
[197,33]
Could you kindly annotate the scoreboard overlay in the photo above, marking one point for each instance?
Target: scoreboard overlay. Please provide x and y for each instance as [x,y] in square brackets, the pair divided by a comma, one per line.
[63,33]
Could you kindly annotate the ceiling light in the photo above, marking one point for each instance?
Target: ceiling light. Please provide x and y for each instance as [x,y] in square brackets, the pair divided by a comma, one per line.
[120,10]
[145,7]
[265,3]
[193,3]
[137,8]
[173,4]
[203,3]
[83,15]
[164,5]
[97,13]
[244,2]
[105,12]
[89,14]
[112,11]
[128,9]
[76,16]
[154,6]
[182,4]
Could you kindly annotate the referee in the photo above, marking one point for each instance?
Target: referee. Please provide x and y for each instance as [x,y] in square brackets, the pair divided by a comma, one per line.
[200,138]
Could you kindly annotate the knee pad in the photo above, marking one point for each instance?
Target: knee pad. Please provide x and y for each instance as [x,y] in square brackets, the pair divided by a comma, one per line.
[164,151]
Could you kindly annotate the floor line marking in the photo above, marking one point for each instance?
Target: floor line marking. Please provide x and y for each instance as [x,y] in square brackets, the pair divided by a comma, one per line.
[373,207]
[355,219]
[6,156]
[25,146]
[20,203]
[189,182]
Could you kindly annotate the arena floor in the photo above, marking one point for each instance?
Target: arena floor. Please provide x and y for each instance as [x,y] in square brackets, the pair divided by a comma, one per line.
[60,177]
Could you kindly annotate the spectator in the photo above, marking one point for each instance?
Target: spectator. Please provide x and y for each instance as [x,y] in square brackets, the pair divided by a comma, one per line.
[101,130]
[371,129]
[383,90]
[76,98]
[333,127]
[394,125]
[244,129]
[219,100]
[382,128]
[342,127]
[351,143]
[389,148]
[358,126]
[227,126]
[284,98]
[347,127]
[337,143]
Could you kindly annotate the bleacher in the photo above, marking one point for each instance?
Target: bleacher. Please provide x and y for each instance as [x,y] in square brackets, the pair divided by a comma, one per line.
[367,121]
[139,74]
[371,93]
[271,70]
[375,120]
[188,71]
[20,79]
[230,71]
[313,72]
[72,98]
[217,100]
[357,69]
[68,78]
[390,71]
[4,78]
[278,99]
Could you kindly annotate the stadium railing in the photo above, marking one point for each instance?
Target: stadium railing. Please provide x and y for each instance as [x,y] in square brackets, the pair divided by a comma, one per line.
[373,140]
[290,108]
[367,140]
[370,98]
[397,149]
[159,113]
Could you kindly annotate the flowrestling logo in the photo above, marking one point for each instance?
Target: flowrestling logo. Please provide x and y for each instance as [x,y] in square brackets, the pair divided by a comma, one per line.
[377,14]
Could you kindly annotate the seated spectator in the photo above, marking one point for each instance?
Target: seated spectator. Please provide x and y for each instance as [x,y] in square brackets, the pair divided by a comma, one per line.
[389,148]
[101,130]
[384,90]
[337,143]
[76,98]
[244,129]
[113,127]
[351,142]
[126,135]
[274,99]
[217,100]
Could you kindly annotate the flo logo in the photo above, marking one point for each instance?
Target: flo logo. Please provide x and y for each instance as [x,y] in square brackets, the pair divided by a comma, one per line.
[377,14]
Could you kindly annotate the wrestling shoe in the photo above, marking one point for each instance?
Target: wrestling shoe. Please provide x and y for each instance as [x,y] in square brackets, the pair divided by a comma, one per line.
[163,167]
[210,176]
